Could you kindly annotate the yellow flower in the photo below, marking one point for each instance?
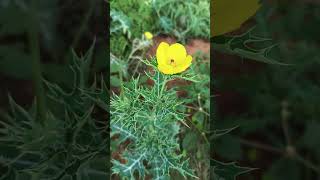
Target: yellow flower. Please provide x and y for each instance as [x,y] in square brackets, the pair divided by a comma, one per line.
[229,15]
[172,59]
[148,35]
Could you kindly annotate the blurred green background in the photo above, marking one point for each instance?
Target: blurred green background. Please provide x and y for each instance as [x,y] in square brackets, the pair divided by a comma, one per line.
[274,107]
[62,26]
[53,97]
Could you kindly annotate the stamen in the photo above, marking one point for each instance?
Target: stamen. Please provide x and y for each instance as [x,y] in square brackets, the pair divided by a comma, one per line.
[172,63]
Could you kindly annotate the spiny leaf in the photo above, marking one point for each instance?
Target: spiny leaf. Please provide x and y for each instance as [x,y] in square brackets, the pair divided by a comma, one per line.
[138,115]
[133,163]
[43,150]
[227,171]
[238,45]
[221,132]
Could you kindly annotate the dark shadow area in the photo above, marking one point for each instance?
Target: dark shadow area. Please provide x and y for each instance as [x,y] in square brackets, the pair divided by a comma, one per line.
[274,106]
[54,74]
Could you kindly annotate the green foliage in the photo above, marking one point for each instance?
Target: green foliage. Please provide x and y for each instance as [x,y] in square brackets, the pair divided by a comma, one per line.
[120,23]
[227,171]
[71,143]
[149,118]
[197,106]
[183,18]
[279,95]
[135,14]
[119,45]
[250,45]
[120,29]
[56,31]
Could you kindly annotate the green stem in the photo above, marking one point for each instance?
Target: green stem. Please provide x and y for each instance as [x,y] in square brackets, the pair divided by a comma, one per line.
[121,84]
[261,146]
[158,84]
[36,67]
[307,163]
[163,85]
[84,24]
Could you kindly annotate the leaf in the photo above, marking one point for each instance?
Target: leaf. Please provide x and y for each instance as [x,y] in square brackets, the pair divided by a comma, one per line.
[227,171]
[93,169]
[183,19]
[115,67]
[138,116]
[120,22]
[133,163]
[221,132]
[166,24]
[189,141]
[238,45]
[115,81]
[82,65]
[46,150]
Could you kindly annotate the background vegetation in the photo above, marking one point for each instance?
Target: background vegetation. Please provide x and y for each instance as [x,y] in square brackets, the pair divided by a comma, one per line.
[273,106]
[53,62]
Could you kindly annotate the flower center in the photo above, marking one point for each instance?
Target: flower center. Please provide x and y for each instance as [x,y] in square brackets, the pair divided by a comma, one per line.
[172,63]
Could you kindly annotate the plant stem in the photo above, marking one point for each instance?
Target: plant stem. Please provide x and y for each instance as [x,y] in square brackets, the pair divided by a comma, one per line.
[307,163]
[197,109]
[36,67]
[158,84]
[163,85]
[84,24]
[284,121]
[121,84]
[203,134]
[261,146]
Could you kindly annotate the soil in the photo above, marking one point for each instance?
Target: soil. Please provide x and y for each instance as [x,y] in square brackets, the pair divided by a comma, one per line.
[195,45]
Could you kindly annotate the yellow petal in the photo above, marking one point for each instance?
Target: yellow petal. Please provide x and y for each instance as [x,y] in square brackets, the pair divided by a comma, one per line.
[189,59]
[183,66]
[166,69]
[177,52]
[162,53]
[228,15]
